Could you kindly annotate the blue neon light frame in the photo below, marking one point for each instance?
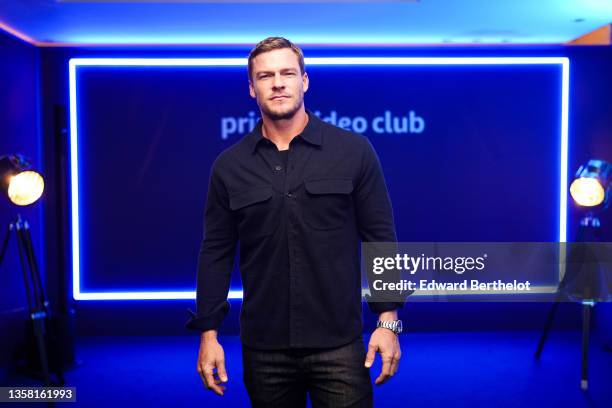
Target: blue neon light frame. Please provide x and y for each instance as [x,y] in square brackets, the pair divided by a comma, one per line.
[74,63]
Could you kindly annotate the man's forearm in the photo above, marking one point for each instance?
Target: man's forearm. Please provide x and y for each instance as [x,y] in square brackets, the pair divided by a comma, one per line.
[209,334]
[388,315]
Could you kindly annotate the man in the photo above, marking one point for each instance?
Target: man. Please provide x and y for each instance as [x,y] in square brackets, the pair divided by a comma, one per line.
[298,194]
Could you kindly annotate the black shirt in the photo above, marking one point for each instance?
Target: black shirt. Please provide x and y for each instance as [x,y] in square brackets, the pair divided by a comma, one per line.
[299,216]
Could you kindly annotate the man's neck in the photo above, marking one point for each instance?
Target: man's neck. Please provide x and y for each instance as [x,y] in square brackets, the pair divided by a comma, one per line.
[281,132]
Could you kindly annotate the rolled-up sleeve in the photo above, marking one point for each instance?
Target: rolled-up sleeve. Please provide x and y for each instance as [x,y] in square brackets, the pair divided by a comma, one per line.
[216,257]
[374,216]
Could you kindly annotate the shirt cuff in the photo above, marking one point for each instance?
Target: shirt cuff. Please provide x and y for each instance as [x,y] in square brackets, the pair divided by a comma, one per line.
[380,307]
[208,321]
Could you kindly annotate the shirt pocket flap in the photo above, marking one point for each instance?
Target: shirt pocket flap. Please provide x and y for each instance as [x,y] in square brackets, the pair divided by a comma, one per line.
[330,186]
[246,198]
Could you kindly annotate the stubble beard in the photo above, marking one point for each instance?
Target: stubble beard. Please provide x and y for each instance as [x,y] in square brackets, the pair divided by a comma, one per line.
[282,115]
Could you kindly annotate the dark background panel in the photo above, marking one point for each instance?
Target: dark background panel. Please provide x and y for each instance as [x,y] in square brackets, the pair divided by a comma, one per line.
[476,158]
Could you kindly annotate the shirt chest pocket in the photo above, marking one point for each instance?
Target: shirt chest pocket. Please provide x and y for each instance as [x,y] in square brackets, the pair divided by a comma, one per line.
[254,211]
[327,203]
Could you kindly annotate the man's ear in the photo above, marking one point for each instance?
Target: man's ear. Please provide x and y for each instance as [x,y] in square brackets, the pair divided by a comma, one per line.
[252,90]
[305,81]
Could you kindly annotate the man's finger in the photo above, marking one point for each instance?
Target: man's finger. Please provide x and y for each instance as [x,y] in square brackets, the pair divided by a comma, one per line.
[202,377]
[396,358]
[208,377]
[394,365]
[210,381]
[381,379]
[221,387]
[221,370]
[370,355]
[385,372]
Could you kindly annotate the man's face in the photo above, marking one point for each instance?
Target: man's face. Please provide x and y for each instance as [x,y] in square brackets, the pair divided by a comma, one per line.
[277,83]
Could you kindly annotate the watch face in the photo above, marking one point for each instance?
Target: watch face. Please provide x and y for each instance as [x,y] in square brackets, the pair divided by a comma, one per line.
[399,326]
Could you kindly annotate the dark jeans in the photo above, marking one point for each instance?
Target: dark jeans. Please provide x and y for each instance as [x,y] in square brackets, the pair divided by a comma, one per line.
[333,377]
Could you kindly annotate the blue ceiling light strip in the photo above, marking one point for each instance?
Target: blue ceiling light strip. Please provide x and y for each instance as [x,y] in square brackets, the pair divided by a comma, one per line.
[75,63]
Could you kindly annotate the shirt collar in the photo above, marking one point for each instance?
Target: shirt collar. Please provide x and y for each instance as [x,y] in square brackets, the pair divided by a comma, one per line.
[311,133]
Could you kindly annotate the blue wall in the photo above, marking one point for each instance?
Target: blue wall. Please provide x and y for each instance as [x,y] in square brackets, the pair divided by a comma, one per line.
[590,119]
[19,133]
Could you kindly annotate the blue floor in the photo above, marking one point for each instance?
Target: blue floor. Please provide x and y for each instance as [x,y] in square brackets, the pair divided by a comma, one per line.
[475,369]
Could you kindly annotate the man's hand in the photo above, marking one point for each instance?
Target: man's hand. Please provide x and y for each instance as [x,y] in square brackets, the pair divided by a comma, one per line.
[212,357]
[387,344]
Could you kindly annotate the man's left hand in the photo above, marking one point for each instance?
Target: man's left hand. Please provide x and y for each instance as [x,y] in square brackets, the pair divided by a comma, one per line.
[387,344]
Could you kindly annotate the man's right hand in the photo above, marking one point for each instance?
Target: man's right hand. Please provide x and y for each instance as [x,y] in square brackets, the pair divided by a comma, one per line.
[211,358]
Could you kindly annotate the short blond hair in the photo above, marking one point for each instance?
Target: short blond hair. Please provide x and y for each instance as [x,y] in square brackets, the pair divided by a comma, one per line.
[275,43]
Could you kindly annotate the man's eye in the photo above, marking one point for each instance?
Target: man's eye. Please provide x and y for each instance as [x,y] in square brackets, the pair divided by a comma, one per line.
[290,73]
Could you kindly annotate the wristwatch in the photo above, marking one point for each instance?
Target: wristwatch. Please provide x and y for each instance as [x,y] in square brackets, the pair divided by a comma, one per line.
[394,325]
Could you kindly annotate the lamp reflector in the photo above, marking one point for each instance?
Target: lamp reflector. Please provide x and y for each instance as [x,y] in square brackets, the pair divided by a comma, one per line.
[587,191]
[26,187]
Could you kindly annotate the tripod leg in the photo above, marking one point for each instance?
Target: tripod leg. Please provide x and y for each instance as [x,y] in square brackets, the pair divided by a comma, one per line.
[553,310]
[5,242]
[40,293]
[547,326]
[31,298]
[36,279]
[586,320]
[37,313]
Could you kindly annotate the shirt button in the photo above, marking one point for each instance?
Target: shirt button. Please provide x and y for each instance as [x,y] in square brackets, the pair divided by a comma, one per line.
[278,168]
[289,195]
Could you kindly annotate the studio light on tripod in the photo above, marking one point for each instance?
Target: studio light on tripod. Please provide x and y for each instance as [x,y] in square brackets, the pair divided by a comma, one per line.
[585,279]
[18,181]
[23,186]
[591,184]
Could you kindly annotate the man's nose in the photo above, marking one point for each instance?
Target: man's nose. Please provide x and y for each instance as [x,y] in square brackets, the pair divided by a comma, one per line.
[278,81]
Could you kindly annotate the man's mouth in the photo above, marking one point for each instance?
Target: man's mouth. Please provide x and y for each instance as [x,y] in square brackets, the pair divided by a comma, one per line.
[278,97]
